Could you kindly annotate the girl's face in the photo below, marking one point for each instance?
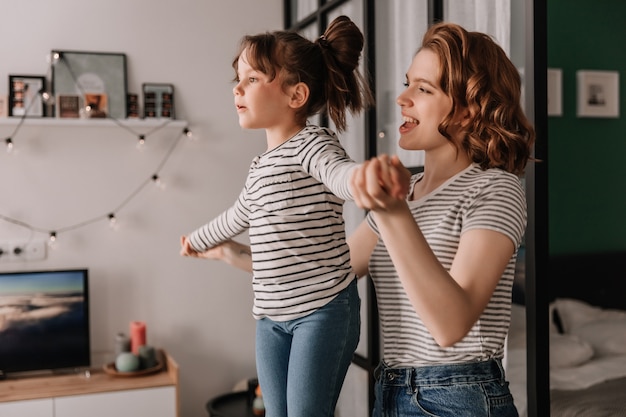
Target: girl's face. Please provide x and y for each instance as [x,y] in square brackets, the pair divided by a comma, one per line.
[261,103]
[423,104]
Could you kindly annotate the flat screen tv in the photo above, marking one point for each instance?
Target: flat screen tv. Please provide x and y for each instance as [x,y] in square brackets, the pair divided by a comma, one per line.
[44,320]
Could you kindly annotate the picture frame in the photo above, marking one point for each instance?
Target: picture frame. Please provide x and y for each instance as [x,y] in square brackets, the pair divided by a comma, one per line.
[68,106]
[597,94]
[555,92]
[132,101]
[158,100]
[4,106]
[88,73]
[25,98]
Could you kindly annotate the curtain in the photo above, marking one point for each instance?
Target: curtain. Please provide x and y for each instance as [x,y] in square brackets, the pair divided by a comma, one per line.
[489,16]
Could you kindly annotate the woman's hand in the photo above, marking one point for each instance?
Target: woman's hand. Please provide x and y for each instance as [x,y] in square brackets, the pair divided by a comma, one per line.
[380,183]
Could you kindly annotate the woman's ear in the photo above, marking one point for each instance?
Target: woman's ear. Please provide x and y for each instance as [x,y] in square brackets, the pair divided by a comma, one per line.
[299,94]
[462,117]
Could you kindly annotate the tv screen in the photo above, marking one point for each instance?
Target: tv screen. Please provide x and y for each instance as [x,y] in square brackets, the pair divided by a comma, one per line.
[44,320]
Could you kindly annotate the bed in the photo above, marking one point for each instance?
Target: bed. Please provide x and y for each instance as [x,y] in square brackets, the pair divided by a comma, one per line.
[587,337]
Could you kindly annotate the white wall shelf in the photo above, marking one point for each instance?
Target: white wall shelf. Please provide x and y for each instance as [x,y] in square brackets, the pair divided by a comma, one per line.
[58,122]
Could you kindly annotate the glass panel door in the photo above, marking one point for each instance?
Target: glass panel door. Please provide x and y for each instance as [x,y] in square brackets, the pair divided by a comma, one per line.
[310,18]
[400,25]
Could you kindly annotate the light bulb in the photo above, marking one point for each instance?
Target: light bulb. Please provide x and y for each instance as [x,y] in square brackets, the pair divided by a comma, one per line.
[158,182]
[188,133]
[53,58]
[47,97]
[113,221]
[52,241]
[9,143]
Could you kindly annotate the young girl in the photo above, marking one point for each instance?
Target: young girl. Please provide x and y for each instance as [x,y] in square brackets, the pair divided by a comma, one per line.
[443,259]
[305,297]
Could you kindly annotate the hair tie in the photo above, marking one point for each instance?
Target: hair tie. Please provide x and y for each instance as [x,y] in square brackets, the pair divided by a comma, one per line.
[323,42]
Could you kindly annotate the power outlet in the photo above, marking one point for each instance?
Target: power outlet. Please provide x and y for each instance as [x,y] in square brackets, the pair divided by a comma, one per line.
[5,252]
[23,251]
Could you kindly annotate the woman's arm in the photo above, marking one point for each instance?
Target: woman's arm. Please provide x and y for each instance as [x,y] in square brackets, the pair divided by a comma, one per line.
[361,243]
[449,303]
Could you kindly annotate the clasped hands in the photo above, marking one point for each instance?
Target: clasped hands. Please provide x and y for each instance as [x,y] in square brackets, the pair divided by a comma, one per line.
[380,184]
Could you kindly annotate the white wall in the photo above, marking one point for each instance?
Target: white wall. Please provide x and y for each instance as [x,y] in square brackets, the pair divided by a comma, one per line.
[200,311]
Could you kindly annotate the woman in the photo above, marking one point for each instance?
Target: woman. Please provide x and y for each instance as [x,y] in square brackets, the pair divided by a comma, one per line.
[442,260]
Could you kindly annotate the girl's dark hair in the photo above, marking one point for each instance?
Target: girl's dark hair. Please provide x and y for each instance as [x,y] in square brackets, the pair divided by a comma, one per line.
[477,75]
[328,66]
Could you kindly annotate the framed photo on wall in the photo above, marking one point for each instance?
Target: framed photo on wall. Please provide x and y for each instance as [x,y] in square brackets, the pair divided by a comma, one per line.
[158,100]
[598,94]
[25,95]
[555,92]
[97,74]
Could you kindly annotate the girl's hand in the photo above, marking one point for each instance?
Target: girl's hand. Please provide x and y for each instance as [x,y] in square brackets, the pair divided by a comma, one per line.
[394,177]
[216,252]
[186,249]
[380,183]
[231,252]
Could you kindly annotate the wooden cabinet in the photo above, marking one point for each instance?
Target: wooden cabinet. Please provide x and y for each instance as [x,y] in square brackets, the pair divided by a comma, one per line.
[153,402]
[96,395]
[30,408]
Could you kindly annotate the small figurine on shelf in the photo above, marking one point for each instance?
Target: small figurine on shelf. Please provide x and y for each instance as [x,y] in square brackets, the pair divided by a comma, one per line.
[258,408]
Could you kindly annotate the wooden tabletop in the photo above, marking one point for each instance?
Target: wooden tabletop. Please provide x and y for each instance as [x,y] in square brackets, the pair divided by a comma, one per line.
[93,381]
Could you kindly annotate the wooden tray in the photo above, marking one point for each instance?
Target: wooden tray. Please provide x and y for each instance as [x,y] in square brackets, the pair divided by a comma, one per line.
[110,369]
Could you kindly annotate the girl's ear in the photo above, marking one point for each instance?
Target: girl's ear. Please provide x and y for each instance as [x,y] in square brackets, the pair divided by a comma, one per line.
[299,95]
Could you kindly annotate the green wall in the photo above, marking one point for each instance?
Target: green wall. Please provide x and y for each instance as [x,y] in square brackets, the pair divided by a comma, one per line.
[587,156]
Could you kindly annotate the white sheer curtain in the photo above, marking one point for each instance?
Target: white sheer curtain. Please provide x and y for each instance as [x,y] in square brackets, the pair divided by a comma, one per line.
[400,25]
[489,16]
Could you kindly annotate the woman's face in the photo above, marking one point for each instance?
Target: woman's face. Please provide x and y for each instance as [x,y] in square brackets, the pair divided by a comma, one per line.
[423,104]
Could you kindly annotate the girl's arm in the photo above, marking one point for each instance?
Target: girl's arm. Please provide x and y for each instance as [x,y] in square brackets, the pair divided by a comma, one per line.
[449,303]
[326,160]
[233,253]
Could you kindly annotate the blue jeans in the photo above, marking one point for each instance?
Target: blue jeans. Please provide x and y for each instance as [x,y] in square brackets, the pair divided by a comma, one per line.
[302,363]
[456,390]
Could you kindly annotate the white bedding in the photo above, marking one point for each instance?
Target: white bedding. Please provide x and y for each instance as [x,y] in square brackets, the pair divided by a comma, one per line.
[593,351]
[515,358]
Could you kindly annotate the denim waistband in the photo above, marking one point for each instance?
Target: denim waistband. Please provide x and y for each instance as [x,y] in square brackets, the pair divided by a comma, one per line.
[490,370]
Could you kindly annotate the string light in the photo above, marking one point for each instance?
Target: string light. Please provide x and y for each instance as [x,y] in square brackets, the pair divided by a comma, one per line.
[112,221]
[158,182]
[47,97]
[188,133]
[54,58]
[110,216]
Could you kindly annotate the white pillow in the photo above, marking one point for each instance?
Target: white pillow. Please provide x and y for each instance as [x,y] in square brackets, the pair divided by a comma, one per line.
[575,313]
[607,337]
[553,329]
[567,351]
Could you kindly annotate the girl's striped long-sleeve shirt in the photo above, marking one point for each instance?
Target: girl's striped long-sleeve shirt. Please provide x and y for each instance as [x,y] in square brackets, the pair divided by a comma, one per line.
[292,204]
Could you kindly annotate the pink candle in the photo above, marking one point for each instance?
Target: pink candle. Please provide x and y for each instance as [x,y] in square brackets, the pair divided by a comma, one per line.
[137,335]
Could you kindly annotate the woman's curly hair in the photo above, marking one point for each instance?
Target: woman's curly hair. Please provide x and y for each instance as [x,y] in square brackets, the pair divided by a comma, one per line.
[478,76]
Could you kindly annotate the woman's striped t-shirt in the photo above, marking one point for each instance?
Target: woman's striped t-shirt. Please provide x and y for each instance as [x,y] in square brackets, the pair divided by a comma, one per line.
[292,204]
[473,199]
